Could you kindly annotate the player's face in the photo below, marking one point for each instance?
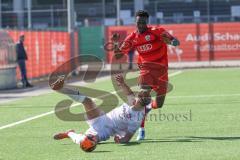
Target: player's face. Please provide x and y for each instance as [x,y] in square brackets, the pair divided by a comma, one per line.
[144,97]
[141,23]
[22,38]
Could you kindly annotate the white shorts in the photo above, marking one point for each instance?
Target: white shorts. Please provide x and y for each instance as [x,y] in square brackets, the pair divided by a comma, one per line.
[101,126]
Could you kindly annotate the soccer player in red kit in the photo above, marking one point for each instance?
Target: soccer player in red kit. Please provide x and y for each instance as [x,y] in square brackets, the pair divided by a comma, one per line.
[151,44]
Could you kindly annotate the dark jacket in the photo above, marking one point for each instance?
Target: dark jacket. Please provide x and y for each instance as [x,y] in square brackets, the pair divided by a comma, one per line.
[21,53]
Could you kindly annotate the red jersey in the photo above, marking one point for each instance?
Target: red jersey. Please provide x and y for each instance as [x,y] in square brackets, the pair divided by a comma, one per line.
[149,44]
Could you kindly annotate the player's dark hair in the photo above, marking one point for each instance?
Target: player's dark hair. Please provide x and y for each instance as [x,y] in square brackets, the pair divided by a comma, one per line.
[142,13]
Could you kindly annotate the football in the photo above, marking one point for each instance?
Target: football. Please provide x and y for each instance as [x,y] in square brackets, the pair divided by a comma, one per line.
[89,143]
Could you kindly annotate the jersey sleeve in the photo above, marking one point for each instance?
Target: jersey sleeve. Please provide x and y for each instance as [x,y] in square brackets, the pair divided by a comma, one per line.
[126,46]
[159,32]
[162,31]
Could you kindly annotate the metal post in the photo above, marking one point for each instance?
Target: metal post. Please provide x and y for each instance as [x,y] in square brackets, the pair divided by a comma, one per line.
[138,5]
[208,11]
[156,10]
[118,23]
[64,3]
[71,23]
[118,12]
[103,12]
[29,6]
[19,9]
[155,7]
[52,16]
[0,13]
[210,32]
[71,12]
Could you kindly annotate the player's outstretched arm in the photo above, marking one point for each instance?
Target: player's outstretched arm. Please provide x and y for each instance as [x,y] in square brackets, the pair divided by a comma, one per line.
[169,39]
[121,83]
[124,139]
[115,39]
[175,42]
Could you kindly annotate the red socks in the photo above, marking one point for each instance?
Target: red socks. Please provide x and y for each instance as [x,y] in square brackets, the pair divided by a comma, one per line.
[154,104]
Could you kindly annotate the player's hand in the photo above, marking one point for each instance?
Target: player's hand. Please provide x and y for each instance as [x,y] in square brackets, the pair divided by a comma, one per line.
[115,37]
[166,38]
[117,139]
[119,79]
[175,42]
[58,84]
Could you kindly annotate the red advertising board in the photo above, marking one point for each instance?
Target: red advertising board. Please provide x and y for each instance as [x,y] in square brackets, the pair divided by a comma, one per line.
[45,49]
[196,43]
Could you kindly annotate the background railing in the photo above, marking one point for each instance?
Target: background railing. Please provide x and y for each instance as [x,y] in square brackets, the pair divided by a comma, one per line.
[48,43]
[95,13]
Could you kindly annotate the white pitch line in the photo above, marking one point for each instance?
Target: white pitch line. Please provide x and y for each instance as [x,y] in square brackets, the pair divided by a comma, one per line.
[26,120]
[51,112]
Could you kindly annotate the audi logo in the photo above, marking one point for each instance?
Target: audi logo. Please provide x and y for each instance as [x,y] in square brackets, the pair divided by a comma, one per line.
[145,47]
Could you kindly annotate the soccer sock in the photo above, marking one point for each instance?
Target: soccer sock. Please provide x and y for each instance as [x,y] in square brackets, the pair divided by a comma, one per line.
[154,104]
[148,108]
[77,97]
[143,122]
[76,138]
[74,94]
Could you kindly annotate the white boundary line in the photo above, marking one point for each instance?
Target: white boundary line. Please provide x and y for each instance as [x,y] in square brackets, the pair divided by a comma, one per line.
[51,112]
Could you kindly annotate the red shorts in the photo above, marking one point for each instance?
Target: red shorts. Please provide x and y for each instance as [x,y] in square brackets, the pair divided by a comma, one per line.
[155,74]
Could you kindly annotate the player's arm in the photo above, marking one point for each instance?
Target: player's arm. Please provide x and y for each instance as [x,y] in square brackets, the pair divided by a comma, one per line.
[169,39]
[129,134]
[120,49]
[121,83]
[124,139]
[117,52]
[126,89]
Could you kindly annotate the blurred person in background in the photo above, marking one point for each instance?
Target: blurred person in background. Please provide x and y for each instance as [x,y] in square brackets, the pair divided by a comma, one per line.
[130,59]
[21,58]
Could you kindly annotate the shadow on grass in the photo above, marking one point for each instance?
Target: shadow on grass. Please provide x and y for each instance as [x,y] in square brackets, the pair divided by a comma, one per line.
[172,140]
[215,138]
[162,140]
[101,151]
[201,138]
[131,143]
[186,139]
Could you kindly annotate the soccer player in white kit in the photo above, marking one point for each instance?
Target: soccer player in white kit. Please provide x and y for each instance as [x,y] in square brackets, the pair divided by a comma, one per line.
[120,123]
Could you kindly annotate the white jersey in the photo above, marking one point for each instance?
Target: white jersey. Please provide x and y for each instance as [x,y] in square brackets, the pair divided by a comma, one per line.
[119,121]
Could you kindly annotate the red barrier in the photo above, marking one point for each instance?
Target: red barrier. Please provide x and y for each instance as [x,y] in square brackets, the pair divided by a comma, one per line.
[195,41]
[46,50]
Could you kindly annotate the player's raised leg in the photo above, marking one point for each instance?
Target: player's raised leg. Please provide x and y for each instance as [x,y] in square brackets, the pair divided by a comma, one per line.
[87,142]
[92,111]
[62,135]
[76,138]
[158,102]
[159,85]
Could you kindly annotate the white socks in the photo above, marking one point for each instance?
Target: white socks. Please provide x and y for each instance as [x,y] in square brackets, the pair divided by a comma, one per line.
[77,97]
[74,94]
[76,138]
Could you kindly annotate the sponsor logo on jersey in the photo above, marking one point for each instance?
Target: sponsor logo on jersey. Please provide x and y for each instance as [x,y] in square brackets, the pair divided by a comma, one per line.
[145,47]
